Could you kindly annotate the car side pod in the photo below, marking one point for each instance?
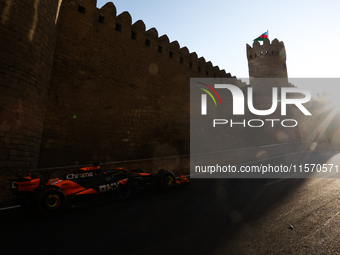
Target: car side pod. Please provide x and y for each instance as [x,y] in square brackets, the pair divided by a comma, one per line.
[22,185]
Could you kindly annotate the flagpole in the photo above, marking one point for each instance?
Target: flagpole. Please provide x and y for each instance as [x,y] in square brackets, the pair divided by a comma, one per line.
[268,34]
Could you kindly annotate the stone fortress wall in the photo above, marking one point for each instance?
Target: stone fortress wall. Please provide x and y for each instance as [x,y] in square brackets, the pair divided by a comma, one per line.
[114,91]
[28,34]
[81,85]
[117,92]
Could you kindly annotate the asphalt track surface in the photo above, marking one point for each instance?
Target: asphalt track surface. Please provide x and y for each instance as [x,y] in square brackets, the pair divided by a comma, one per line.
[209,216]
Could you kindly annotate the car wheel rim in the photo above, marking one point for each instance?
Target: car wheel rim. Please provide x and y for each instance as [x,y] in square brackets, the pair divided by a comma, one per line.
[168,181]
[52,202]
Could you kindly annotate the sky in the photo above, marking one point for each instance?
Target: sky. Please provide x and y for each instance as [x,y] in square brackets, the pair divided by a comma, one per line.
[219,30]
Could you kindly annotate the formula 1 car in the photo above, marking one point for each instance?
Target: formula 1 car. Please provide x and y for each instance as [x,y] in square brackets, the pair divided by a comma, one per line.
[117,183]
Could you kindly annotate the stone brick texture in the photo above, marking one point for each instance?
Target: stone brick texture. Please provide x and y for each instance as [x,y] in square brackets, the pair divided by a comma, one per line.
[117,92]
[28,33]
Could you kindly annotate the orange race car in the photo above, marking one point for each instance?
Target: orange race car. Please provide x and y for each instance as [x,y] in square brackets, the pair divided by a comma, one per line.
[52,197]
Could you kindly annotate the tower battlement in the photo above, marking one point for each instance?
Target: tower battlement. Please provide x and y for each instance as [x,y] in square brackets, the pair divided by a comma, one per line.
[88,20]
[274,48]
[267,60]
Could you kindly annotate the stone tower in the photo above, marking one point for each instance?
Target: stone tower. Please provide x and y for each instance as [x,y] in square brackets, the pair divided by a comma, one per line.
[267,60]
[28,35]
